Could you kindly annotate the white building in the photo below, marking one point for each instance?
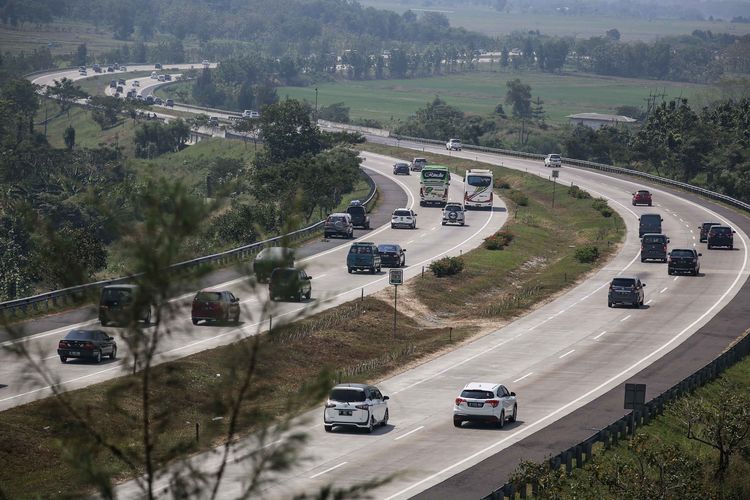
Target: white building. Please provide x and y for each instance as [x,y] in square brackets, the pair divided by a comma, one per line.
[598,120]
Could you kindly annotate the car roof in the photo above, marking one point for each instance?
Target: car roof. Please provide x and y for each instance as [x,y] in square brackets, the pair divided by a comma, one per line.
[403,209]
[123,286]
[481,386]
[339,214]
[419,158]
[625,278]
[351,386]
[363,243]
[684,250]
[212,290]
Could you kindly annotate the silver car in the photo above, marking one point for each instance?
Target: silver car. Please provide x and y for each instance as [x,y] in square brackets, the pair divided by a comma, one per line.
[355,405]
[453,213]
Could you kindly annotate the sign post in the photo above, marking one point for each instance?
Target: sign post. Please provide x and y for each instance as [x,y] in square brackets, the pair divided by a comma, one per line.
[395,278]
[555,175]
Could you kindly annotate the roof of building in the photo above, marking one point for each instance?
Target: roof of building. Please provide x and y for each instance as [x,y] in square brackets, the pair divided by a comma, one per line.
[602,117]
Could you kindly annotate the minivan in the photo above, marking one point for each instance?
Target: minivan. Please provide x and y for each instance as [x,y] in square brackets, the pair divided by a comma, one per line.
[626,291]
[654,247]
[649,223]
[116,305]
[289,283]
[363,256]
[720,236]
[359,214]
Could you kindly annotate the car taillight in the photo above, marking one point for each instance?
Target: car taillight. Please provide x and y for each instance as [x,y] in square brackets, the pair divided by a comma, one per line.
[62,344]
[665,248]
[642,246]
[669,259]
[493,403]
[362,407]
[459,401]
[88,345]
[695,260]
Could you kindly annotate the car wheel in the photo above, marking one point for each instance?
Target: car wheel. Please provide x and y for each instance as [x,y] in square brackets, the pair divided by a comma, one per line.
[414,226]
[385,419]
[649,204]
[236,319]
[443,222]
[731,247]
[371,427]
[63,359]
[114,353]
[195,321]
[514,416]
[103,321]
[147,319]
[669,272]
[643,259]
[328,428]
[393,227]
[326,236]
[609,303]
[457,422]
[309,293]
[709,247]
[501,420]
[98,357]
[372,270]
[462,223]
[350,270]
[298,298]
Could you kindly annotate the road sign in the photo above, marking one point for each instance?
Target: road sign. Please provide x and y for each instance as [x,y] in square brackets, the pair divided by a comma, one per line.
[555,174]
[635,396]
[396,277]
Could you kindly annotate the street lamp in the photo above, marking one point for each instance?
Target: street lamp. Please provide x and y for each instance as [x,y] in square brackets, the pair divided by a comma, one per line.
[316,103]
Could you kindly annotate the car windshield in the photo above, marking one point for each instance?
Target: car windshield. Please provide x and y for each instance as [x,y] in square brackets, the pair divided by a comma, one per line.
[682,253]
[208,296]
[81,335]
[435,174]
[623,282]
[479,180]
[347,395]
[653,239]
[402,213]
[387,248]
[477,394]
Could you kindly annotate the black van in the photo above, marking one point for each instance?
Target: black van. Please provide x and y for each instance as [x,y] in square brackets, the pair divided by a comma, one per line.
[269,259]
[116,305]
[649,223]
[654,247]
[289,283]
[359,214]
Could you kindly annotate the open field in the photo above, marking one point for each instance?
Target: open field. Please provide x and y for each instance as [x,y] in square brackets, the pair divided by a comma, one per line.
[493,23]
[393,100]
[61,37]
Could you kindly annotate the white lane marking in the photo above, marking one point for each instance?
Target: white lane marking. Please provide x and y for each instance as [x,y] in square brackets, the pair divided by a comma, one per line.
[569,352]
[328,470]
[538,423]
[527,375]
[675,278]
[605,331]
[433,228]
[681,220]
[322,275]
[649,301]
[664,289]
[409,242]
[410,432]
[691,230]
[625,318]
[49,357]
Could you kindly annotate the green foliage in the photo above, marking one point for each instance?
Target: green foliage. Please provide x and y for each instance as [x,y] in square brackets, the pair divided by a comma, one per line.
[501,183]
[587,254]
[578,193]
[447,266]
[69,136]
[438,120]
[336,112]
[106,110]
[518,197]
[70,256]
[519,96]
[498,240]
[245,223]
[288,132]
[153,138]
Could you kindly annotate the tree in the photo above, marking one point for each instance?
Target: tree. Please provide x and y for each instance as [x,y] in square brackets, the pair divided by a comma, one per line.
[82,253]
[336,112]
[537,110]
[613,34]
[81,55]
[20,102]
[519,96]
[288,132]
[106,110]
[66,91]
[69,136]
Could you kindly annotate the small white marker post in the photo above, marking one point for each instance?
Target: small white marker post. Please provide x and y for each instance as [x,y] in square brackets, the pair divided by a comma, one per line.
[395,278]
[555,175]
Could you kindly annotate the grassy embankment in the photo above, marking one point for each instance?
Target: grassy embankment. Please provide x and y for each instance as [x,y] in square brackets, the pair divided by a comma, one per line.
[347,339]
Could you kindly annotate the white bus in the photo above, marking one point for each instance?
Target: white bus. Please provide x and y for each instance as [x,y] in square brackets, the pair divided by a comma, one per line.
[434,184]
[478,186]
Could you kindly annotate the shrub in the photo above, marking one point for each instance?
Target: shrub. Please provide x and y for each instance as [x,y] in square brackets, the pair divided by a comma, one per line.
[606,212]
[501,183]
[587,254]
[601,205]
[498,241]
[447,266]
[579,193]
[518,198]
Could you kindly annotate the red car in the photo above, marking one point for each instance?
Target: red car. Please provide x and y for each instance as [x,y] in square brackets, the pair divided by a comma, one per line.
[211,305]
[642,197]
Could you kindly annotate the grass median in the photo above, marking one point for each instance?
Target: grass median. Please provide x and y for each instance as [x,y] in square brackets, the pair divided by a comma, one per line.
[351,342]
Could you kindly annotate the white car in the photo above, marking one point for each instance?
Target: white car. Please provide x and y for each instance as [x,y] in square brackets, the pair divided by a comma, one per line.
[485,402]
[355,405]
[404,217]
[249,113]
[453,145]
[123,68]
[552,160]
[136,83]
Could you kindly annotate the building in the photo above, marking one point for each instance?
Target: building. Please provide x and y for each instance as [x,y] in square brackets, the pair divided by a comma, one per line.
[598,120]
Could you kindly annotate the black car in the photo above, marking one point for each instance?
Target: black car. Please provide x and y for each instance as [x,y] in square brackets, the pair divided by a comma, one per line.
[392,255]
[358,212]
[654,247]
[289,283]
[626,291]
[116,305]
[89,344]
[401,168]
[269,259]
[684,260]
[704,230]
[720,236]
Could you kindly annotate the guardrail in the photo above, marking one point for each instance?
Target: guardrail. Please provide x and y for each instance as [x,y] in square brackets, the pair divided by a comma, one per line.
[580,454]
[49,300]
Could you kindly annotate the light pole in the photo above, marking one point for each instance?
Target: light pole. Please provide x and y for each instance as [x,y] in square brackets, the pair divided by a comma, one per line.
[316,103]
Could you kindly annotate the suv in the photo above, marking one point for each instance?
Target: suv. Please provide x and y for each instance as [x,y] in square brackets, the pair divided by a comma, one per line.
[355,405]
[358,213]
[485,402]
[626,290]
[654,247]
[553,160]
[92,344]
[269,259]
[116,305]
[289,283]
[169,102]
[338,224]
[363,256]
[453,145]
[213,121]
[704,230]
[642,197]
[453,213]
[720,236]
[684,260]
[209,305]
[404,217]
[417,164]
[401,168]
[649,223]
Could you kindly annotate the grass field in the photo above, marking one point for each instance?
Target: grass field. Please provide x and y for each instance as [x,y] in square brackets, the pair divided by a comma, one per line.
[393,100]
[62,37]
[493,23]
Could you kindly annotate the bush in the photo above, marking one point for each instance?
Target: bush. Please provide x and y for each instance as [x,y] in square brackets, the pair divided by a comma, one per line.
[601,205]
[501,183]
[518,198]
[579,193]
[587,254]
[498,241]
[606,212]
[447,266]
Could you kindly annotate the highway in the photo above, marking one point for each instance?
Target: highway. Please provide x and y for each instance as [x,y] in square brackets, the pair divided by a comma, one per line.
[556,358]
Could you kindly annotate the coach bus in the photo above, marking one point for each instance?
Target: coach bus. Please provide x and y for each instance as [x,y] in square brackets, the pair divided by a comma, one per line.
[478,189]
[434,183]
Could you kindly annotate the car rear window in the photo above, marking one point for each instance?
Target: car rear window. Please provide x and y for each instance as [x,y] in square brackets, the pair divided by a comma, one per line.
[118,294]
[356,210]
[682,253]
[721,230]
[360,249]
[453,208]
[477,394]
[402,213]
[82,335]
[208,296]
[420,160]
[283,274]
[554,157]
[651,218]
[623,282]
[337,218]
[643,192]
[654,239]
[347,395]
[707,225]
